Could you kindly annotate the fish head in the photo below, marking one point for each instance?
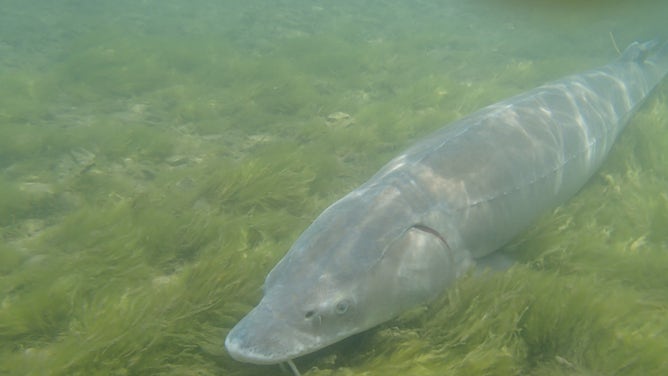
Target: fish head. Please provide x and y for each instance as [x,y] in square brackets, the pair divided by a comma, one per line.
[359,264]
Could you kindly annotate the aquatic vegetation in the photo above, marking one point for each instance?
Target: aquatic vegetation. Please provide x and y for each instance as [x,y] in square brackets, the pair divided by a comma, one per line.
[152,174]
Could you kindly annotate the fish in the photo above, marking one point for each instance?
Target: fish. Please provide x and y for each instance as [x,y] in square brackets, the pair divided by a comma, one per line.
[432,213]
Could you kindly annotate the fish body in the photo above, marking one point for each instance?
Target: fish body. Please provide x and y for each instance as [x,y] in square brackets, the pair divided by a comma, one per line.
[407,234]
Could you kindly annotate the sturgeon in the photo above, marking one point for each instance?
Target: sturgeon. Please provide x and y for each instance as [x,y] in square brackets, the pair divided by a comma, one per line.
[406,235]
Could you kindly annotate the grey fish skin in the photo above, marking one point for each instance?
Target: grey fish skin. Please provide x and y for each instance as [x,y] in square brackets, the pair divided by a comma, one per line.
[403,237]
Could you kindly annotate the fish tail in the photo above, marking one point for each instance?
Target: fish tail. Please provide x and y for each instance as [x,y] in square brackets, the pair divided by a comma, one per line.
[659,58]
[652,54]
[640,51]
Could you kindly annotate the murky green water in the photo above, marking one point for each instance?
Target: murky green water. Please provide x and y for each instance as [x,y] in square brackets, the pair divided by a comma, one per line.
[158,157]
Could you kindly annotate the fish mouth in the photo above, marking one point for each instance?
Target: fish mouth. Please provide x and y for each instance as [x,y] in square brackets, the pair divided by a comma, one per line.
[261,337]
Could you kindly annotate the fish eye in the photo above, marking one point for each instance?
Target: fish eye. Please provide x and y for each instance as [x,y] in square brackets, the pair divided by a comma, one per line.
[309,314]
[341,307]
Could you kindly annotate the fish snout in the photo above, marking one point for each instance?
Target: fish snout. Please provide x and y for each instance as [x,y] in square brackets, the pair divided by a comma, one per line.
[261,337]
